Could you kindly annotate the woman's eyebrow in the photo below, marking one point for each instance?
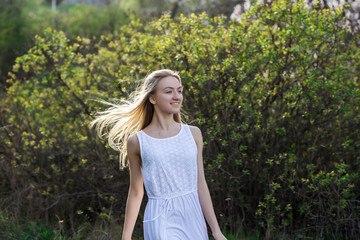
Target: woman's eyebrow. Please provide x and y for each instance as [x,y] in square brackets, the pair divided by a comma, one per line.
[172,87]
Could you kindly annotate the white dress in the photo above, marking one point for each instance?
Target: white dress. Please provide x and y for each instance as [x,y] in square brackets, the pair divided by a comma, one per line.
[169,170]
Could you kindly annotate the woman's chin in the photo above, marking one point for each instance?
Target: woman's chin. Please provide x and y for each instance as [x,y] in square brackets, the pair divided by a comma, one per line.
[175,111]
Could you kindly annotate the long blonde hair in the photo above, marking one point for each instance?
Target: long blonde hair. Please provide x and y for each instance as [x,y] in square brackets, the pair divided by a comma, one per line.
[122,120]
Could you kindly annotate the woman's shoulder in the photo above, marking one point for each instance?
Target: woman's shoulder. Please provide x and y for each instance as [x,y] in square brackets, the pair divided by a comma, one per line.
[196,132]
[133,142]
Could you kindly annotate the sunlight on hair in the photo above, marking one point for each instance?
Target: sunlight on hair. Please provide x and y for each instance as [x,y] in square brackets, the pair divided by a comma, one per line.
[120,121]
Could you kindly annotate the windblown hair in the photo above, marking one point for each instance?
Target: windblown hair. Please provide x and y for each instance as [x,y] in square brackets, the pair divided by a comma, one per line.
[120,121]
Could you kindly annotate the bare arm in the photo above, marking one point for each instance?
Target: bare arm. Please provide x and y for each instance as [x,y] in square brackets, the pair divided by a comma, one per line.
[203,190]
[136,189]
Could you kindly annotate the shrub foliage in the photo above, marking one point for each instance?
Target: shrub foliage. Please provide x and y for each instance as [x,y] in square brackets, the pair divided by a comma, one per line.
[276,96]
[21,20]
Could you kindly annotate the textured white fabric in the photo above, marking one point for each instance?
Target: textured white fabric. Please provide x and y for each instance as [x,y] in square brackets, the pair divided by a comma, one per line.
[169,170]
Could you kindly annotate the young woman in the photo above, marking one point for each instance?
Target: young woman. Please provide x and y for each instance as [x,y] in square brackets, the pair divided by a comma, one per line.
[165,156]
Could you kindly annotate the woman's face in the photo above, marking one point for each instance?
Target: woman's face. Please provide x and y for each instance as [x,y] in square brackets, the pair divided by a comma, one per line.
[168,95]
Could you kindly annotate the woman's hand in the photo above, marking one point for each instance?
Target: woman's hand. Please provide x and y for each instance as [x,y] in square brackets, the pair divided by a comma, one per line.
[219,236]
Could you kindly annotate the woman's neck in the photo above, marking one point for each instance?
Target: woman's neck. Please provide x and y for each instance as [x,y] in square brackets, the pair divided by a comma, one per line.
[163,122]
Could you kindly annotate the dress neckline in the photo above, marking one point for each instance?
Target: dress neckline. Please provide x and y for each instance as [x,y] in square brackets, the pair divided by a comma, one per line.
[177,134]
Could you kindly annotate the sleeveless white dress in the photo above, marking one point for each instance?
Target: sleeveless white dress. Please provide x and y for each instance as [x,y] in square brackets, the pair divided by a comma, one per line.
[169,169]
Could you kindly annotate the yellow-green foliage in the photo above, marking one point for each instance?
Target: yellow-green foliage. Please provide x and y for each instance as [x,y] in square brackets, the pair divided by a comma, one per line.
[21,20]
[276,96]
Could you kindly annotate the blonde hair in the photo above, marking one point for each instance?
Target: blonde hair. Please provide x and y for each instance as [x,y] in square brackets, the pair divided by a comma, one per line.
[120,121]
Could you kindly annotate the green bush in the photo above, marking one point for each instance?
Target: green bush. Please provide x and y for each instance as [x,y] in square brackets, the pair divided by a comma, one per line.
[10,229]
[15,26]
[90,21]
[276,96]
[21,20]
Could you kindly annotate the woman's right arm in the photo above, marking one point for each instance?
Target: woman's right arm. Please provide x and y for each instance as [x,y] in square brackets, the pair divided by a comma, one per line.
[136,189]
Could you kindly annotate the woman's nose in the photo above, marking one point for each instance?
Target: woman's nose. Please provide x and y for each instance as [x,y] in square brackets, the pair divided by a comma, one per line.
[177,95]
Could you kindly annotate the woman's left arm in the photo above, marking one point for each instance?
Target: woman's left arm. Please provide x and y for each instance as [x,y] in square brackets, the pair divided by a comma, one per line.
[203,190]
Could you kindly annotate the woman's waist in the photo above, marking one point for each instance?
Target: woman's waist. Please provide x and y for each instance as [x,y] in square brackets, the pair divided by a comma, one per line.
[171,195]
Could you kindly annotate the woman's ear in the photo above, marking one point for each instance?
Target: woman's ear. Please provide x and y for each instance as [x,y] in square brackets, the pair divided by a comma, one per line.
[152,99]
